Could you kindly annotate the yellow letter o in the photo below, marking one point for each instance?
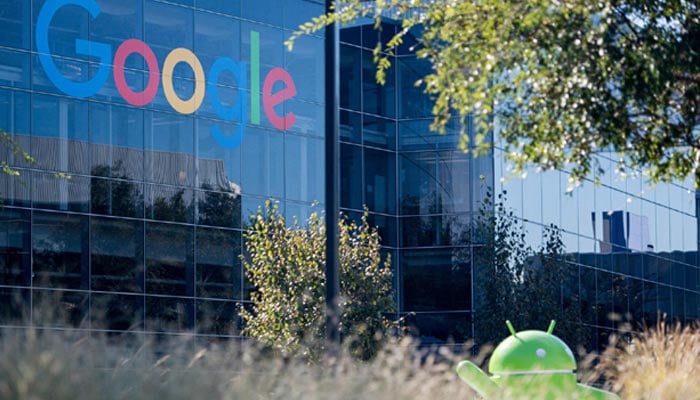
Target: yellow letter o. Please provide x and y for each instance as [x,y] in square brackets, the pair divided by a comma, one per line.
[192,104]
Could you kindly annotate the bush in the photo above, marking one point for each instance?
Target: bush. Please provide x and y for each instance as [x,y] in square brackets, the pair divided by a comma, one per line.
[285,264]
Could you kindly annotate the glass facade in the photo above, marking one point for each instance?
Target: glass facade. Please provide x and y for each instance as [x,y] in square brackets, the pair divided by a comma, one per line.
[418,187]
[631,247]
[171,139]
[175,120]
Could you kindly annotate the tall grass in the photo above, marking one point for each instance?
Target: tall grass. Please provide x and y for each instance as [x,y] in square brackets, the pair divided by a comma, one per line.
[661,363]
[66,365]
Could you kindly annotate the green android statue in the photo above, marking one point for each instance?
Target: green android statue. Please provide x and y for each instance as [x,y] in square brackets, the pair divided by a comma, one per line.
[530,365]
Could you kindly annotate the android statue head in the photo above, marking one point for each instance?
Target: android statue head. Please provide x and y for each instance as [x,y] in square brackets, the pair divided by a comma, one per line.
[530,365]
[530,352]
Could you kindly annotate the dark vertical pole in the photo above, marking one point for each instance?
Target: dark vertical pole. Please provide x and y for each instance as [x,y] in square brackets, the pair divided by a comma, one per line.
[332,187]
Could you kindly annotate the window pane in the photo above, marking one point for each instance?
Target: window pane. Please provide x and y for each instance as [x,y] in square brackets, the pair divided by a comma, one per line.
[60,308]
[436,280]
[15,242]
[350,78]
[166,314]
[165,203]
[263,166]
[116,255]
[380,180]
[219,209]
[351,177]
[116,141]
[116,312]
[304,168]
[379,132]
[377,99]
[217,317]
[16,18]
[350,127]
[14,68]
[60,249]
[169,259]
[219,270]
[60,134]
[116,197]
[56,193]
[441,327]
[169,144]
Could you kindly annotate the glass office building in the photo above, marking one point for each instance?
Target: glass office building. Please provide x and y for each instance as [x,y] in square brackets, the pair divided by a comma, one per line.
[176,119]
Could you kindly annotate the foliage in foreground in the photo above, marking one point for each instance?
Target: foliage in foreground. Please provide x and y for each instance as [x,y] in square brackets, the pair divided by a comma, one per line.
[661,363]
[65,365]
[559,80]
[285,264]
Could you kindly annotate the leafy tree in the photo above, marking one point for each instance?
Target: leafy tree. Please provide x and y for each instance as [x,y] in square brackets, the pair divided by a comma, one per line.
[514,282]
[558,80]
[286,266]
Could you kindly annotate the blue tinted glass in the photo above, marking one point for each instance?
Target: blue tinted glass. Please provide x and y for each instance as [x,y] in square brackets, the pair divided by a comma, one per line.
[14,68]
[271,41]
[168,314]
[16,189]
[169,257]
[351,35]
[117,312]
[217,317]
[219,168]
[217,36]
[15,255]
[377,99]
[268,11]
[386,227]
[298,12]
[417,135]
[379,132]
[351,192]
[16,25]
[68,24]
[136,81]
[380,180]
[169,143]
[306,65]
[14,113]
[371,36]
[166,203]
[350,78]
[263,163]
[55,193]
[167,27]
[418,184]
[116,141]
[309,117]
[116,255]
[71,69]
[230,7]
[219,271]
[219,208]
[59,117]
[350,127]
[413,102]
[119,21]
[60,250]
[441,327]
[304,167]
[116,197]
[443,230]
[436,280]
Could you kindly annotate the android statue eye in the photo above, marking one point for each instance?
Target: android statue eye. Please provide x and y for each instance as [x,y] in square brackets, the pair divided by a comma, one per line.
[541,353]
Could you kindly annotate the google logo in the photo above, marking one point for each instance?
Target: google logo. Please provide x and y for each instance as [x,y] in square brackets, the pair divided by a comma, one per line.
[204,84]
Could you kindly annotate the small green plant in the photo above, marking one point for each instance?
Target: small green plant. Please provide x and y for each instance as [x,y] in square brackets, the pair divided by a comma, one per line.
[285,265]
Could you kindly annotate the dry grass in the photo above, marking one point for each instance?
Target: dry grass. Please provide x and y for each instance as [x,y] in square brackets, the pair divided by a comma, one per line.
[661,363]
[71,365]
